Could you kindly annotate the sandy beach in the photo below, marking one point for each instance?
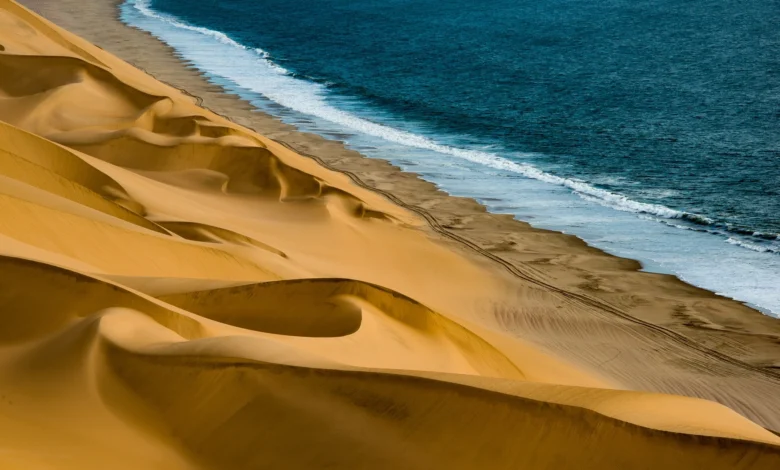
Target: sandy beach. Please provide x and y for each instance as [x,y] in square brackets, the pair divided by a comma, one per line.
[189,283]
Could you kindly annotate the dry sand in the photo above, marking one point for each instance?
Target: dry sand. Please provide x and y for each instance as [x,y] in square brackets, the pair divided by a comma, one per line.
[179,291]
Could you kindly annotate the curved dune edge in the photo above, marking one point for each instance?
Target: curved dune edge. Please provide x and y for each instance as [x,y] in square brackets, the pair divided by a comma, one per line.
[167,361]
[179,292]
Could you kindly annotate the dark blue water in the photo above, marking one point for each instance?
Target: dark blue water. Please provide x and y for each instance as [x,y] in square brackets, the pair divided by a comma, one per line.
[667,109]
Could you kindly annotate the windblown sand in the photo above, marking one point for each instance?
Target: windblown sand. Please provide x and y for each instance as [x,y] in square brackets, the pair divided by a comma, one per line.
[179,291]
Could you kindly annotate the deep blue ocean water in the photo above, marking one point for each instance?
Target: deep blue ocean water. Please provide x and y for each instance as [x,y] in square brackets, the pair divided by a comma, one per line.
[651,129]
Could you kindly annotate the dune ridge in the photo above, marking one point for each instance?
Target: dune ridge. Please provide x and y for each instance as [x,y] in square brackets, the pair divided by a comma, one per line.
[178,291]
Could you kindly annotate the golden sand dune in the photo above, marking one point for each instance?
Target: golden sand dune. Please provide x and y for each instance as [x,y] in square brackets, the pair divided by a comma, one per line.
[178,291]
[173,387]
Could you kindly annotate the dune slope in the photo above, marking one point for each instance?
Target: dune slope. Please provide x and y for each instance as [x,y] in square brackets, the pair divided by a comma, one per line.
[178,291]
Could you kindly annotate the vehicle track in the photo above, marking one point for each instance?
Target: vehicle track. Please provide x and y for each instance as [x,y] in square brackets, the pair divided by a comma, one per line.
[584,299]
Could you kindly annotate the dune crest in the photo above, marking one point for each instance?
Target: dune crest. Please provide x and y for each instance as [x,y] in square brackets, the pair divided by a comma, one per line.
[178,291]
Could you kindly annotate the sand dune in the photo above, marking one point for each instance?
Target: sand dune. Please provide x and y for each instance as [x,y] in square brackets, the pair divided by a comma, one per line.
[178,291]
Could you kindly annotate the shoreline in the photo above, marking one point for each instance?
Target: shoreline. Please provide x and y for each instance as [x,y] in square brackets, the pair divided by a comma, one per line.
[664,239]
[302,142]
[299,141]
[697,318]
[297,138]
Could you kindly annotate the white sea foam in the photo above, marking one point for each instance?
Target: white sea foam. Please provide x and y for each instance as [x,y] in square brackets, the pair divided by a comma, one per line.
[145,7]
[752,246]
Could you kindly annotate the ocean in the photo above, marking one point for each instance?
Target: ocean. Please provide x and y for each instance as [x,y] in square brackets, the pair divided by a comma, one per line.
[650,129]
